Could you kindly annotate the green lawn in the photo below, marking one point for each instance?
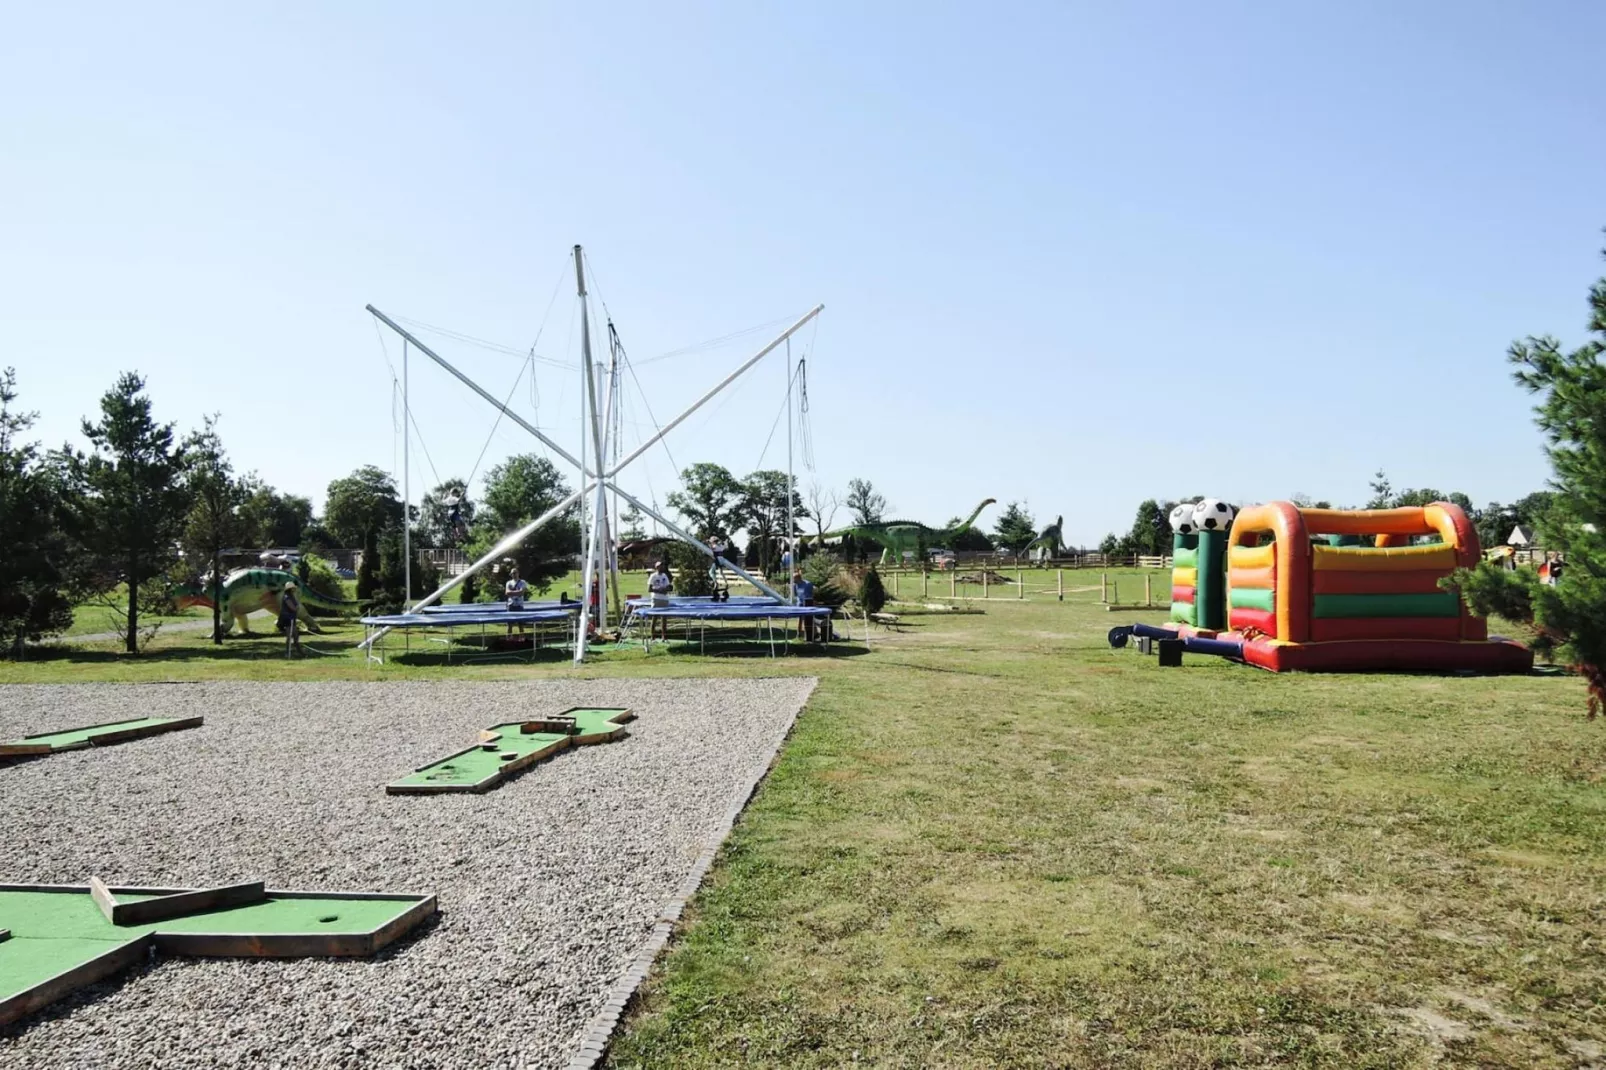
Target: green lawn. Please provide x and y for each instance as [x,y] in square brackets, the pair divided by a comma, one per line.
[106,615]
[993,841]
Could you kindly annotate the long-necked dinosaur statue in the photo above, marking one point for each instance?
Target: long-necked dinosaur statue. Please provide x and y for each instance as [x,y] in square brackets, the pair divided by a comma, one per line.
[897,536]
[1050,542]
[246,590]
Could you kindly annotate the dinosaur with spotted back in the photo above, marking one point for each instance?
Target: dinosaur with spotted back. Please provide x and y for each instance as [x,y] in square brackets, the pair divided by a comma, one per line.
[246,590]
[896,536]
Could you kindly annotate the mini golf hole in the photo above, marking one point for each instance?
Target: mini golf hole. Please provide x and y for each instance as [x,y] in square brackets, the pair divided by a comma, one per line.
[327,918]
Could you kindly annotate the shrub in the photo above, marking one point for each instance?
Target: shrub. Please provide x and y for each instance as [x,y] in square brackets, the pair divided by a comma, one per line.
[872,593]
[318,576]
[689,567]
[824,570]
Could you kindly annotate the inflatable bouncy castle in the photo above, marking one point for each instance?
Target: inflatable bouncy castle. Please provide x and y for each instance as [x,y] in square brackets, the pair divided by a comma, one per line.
[1331,590]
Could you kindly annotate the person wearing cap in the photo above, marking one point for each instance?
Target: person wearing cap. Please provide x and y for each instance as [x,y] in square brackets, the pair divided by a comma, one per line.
[289,611]
[659,584]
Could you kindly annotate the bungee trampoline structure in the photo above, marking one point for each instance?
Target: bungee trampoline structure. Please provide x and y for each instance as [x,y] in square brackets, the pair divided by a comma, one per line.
[598,478]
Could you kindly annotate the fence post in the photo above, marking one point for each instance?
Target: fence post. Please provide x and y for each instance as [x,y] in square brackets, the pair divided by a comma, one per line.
[1059,578]
[1020,580]
[925,584]
[1104,588]
[984,593]
[953,581]
[894,586]
[1148,588]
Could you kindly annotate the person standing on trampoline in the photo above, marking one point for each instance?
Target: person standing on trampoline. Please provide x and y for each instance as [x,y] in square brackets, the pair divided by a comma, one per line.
[659,584]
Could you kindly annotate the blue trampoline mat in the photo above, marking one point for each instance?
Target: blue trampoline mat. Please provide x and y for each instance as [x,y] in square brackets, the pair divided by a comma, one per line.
[706,600]
[500,607]
[455,619]
[732,611]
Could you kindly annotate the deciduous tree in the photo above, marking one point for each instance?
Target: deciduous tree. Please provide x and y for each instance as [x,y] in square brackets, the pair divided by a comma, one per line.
[361,504]
[710,501]
[867,505]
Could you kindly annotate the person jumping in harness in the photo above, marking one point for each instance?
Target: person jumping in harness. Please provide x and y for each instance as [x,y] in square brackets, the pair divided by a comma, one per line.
[454,516]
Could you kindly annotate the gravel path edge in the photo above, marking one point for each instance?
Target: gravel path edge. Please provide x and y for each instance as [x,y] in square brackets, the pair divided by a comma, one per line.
[600,1032]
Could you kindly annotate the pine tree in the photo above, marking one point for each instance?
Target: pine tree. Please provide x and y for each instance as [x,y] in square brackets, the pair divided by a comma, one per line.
[1570,617]
[1015,528]
[134,495]
[872,592]
[33,566]
[214,521]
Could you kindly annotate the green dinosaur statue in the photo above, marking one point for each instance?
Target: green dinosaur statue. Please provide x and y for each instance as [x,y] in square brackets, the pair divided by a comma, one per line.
[896,536]
[246,590]
[1050,541]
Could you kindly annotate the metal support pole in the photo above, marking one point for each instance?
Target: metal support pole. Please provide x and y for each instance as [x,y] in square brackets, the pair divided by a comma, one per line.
[407,492]
[723,383]
[472,385]
[791,481]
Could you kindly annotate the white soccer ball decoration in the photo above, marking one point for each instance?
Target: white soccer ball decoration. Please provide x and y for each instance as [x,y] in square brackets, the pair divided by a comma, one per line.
[1182,519]
[1212,514]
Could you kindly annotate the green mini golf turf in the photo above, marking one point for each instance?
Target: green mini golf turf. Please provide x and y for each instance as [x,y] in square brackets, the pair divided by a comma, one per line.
[71,737]
[54,931]
[482,766]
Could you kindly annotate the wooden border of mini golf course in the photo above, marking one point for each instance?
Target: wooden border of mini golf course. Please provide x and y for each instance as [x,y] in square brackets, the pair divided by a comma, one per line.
[220,945]
[513,766]
[20,747]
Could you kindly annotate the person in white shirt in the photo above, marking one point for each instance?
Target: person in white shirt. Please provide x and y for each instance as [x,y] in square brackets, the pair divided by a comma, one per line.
[659,584]
[516,588]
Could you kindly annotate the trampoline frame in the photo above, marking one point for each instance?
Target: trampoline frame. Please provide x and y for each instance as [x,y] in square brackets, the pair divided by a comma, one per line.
[703,612]
[376,627]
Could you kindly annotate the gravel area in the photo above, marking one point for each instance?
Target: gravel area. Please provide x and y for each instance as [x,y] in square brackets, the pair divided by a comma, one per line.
[548,885]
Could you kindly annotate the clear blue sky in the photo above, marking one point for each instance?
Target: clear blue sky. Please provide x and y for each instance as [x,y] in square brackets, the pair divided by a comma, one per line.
[1076,254]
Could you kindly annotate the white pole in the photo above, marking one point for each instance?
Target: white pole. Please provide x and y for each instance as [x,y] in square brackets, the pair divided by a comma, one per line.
[723,383]
[792,590]
[598,528]
[407,492]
